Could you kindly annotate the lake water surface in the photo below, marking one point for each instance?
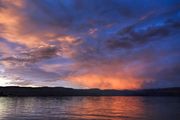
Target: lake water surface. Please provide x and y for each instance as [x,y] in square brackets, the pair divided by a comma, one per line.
[90,108]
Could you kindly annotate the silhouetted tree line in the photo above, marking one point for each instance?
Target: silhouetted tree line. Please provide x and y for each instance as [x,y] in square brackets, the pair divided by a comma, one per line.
[60,91]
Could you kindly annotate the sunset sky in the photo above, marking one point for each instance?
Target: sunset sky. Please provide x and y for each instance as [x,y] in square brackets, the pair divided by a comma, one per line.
[106,44]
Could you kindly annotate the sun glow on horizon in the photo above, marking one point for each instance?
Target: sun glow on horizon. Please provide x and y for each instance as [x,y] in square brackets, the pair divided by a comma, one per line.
[4,81]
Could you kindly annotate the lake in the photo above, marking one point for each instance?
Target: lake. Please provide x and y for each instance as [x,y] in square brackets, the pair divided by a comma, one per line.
[90,108]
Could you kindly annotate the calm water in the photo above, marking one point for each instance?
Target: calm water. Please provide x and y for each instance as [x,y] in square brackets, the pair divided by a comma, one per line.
[90,108]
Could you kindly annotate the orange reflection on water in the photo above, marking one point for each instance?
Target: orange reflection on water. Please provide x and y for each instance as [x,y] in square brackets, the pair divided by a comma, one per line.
[89,108]
[109,108]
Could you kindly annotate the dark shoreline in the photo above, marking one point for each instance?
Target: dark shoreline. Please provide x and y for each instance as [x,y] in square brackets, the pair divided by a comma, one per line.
[61,91]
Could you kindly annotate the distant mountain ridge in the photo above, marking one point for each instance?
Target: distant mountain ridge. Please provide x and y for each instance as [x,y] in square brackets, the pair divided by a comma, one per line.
[61,91]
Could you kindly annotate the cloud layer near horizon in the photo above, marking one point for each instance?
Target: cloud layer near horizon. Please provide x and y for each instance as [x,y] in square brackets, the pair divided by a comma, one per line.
[117,44]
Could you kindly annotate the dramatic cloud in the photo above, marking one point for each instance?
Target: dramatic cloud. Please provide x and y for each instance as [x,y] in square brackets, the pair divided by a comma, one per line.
[33,55]
[108,44]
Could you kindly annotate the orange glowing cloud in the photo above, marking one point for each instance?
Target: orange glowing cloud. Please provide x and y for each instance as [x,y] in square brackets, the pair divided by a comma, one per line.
[18,28]
[114,74]
[107,82]
[14,22]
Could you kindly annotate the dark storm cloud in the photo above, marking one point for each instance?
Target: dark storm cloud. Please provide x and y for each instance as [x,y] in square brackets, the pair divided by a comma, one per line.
[78,15]
[130,36]
[33,55]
